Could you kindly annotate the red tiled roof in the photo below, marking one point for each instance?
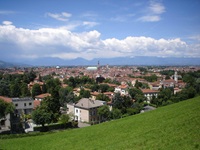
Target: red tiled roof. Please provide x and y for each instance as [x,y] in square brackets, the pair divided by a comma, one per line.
[43,95]
[36,103]
[149,91]
[123,86]
[94,93]
[6,99]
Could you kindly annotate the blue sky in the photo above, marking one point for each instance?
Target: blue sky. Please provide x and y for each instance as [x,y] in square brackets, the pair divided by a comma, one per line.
[99,29]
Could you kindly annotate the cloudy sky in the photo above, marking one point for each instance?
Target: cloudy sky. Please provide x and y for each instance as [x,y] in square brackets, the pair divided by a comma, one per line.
[90,29]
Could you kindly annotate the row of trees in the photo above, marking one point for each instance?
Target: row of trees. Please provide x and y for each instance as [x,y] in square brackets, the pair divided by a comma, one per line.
[15,85]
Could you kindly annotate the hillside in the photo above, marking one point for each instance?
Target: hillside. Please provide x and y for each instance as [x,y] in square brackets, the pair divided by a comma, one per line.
[176,126]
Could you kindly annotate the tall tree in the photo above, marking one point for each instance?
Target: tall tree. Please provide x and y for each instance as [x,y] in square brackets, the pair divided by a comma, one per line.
[15,89]
[24,90]
[36,90]
[117,101]
[103,97]
[42,116]
[104,112]
[5,108]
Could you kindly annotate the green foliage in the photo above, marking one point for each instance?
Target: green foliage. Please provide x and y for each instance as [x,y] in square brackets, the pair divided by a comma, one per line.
[117,101]
[79,81]
[42,116]
[24,90]
[142,69]
[134,91]
[15,89]
[94,87]
[84,93]
[66,95]
[151,78]
[103,88]
[64,118]
[103,97]
[104,112]
[167,72]
[36,90]
[4,88]
[5,108]
[116,113]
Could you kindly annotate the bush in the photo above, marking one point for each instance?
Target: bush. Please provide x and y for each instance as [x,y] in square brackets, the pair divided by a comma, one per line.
[53,127]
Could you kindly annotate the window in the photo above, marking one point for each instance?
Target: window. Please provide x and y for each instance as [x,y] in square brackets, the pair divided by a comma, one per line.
[76,110]
[16,105]
[30,104]
[25,104]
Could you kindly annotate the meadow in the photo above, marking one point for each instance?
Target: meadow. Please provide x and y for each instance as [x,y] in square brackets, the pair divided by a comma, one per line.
[175,126]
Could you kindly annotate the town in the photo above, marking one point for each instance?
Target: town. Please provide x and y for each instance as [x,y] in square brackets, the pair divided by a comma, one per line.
[79,96]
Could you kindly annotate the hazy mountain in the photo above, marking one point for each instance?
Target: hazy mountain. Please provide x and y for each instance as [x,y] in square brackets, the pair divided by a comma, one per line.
[5,64]
[139,60]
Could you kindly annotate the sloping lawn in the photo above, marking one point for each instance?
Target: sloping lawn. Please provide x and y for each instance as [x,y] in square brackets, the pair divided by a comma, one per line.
[176,126]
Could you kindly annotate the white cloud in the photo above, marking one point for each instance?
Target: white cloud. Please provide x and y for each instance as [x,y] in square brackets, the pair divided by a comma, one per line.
[90,24]
[64,16]
[153,12]
[152,18]
[62,43]
[156,8]
[7,22]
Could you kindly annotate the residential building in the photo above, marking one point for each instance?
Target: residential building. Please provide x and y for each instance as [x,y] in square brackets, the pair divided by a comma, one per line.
[122,89]
[23,105]
[86,110]
[13,120]
[149,94]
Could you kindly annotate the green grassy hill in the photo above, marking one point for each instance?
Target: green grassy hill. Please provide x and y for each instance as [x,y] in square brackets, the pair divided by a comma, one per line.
[175,126]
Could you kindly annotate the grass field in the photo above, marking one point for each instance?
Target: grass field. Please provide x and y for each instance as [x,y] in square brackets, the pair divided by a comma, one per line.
[172,127]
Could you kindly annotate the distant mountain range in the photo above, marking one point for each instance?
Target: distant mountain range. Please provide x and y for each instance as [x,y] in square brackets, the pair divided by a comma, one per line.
[4,64]
[138,60]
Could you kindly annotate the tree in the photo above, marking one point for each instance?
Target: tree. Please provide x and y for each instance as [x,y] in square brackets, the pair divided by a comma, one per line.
[64,118]
[100,79]
[138,84]
[5,108]
[42,116]
[4,88]
[31,75]
[24,90]
[116,113]
[52,105]
[15,89]
[63,93]
[134,91]
[103,97]
[36,90]
[44,88]
[84,93]
[103,87]
[117,101]
[104,112]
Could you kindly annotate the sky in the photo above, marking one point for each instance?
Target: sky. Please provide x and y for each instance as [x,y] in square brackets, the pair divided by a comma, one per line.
[89,29]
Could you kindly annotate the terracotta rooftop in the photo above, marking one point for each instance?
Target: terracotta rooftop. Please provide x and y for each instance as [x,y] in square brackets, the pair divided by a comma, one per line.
[43,95]
[36,103]
[6,99]
[149,91]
